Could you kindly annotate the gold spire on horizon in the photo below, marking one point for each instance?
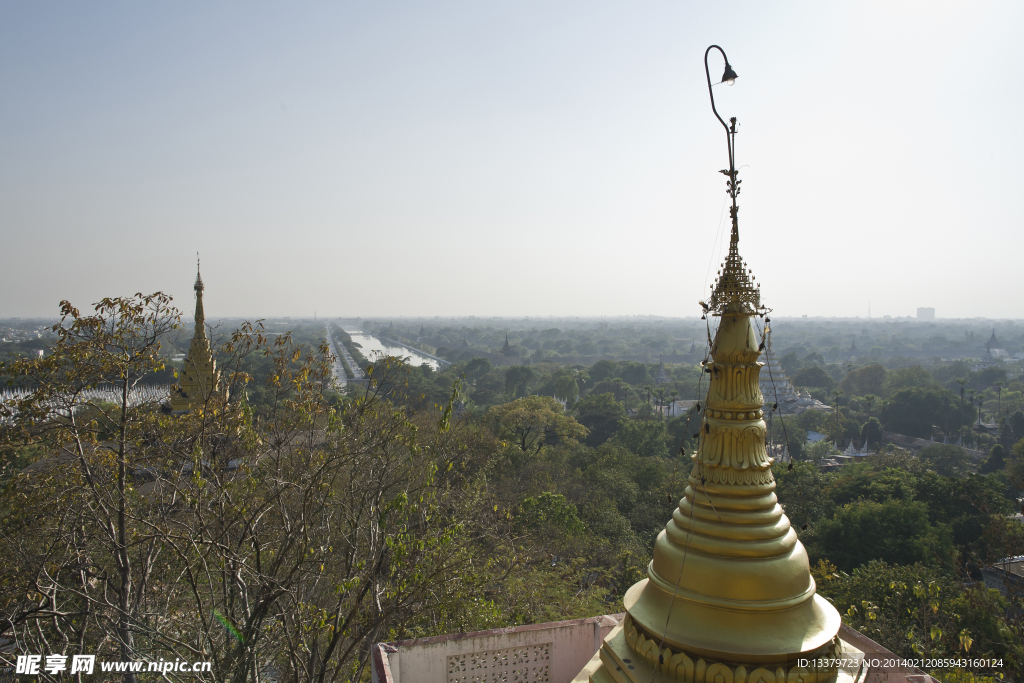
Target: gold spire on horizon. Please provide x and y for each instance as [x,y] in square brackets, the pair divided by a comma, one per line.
[199,378]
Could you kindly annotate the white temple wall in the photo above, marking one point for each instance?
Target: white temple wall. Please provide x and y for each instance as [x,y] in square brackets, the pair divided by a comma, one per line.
[538,653]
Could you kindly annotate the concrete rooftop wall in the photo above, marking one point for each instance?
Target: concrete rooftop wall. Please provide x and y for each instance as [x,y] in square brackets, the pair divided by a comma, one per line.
[538,653]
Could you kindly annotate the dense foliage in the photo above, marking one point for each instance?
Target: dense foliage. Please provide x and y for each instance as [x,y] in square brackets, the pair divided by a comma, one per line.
[287,528]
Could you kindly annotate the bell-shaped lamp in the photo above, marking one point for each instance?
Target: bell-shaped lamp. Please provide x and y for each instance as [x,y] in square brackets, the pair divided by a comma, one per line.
[729,76]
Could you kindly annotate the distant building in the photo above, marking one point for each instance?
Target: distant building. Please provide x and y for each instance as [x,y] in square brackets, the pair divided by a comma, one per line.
[852,452]
[914,445]
[926,314]
[660,374]
[992,355]
[680,407]
[776,388]
[1006,575]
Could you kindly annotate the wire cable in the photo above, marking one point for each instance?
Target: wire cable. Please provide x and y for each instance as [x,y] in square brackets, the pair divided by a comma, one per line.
[766,341]
[714,246]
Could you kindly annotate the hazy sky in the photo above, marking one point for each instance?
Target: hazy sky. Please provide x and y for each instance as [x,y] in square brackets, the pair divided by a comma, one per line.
[510,158]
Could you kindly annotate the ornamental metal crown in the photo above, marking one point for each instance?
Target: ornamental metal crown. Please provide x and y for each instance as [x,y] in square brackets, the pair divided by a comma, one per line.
[735,285]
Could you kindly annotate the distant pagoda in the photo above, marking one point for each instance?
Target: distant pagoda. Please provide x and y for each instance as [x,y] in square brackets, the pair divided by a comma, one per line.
[199,378]
[506,350]
[660,374]
[777,388]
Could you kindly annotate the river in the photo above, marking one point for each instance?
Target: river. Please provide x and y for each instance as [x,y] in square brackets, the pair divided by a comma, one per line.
[371,345]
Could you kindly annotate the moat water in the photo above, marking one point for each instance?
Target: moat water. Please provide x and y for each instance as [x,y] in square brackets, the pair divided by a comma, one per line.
[371,345]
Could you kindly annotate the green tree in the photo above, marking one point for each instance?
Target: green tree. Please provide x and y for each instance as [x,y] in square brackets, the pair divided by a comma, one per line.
[530,423]
[914,377]
[477,368]
[975,509]
[800,492]
[646,438]
[517,380]
[550,509]
[866,482]
[917,611]
[871,433]
[140,531]
[813,376]
[634,373]
[988,377]
[914,411]
[603,369]
[946,459]
[812,420]
[893,531]
[98,445]
[600,414]
[565,385]
[819,450]
[1016,422]
[995,461]
[867,380]
[870,400]
[787,431]
[790,362]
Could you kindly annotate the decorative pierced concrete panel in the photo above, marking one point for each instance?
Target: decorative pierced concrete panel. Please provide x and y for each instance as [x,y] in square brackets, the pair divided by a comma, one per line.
[527,664]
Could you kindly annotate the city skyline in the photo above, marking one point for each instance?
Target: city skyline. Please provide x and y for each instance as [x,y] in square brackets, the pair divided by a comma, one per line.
[538,160]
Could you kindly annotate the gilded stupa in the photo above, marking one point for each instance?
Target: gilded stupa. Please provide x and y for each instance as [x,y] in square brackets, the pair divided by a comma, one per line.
[729,596]
[199,378]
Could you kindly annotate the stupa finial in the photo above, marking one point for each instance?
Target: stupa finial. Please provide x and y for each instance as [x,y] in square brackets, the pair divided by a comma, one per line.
[735,286]
[199,278]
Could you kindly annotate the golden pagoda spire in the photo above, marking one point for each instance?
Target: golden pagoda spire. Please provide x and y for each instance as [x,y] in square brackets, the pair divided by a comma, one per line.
[729,596]
[200,330]
[730,585]
[199,378]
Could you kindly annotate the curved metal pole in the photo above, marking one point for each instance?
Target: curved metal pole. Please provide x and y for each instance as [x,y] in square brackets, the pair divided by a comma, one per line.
[730,138]
[708,74]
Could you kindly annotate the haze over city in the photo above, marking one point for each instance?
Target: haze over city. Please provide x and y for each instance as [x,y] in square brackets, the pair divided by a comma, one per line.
[510,159]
